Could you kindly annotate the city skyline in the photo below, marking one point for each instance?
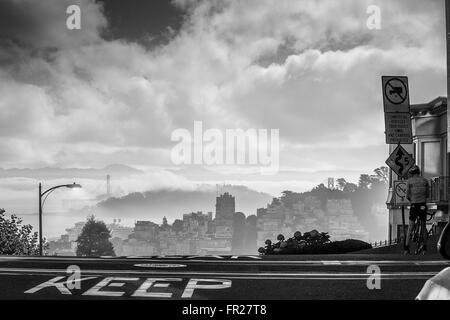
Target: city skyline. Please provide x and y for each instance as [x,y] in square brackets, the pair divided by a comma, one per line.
[229,231]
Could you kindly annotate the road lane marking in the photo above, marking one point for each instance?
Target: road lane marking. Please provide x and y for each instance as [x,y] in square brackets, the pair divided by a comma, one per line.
[118,286]
[223,274]
[54,283]
[235,261]
[331,263]
[159,265]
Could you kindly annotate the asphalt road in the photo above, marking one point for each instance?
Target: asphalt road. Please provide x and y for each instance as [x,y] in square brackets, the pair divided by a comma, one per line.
[386,277]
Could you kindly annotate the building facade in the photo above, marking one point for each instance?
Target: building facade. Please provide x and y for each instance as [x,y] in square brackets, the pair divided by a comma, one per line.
[430,151]
[225,210]
[225,206]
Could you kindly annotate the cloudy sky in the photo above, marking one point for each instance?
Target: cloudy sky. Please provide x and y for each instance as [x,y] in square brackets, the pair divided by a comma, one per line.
[114,91]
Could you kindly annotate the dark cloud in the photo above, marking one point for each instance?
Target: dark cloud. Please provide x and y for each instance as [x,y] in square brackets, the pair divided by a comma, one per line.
[42,24]
[150,23]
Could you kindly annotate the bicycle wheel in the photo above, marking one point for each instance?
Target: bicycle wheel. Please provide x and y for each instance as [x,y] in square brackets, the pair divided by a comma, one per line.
[421,238]
[415,233]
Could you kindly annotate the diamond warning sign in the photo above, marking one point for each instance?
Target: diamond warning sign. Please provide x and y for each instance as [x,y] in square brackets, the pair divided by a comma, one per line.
[400,161]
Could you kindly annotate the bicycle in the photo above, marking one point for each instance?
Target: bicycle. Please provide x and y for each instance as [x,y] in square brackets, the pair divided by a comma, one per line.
[417,234]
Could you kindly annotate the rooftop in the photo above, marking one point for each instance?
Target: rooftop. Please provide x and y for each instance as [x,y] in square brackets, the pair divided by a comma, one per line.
[437,106]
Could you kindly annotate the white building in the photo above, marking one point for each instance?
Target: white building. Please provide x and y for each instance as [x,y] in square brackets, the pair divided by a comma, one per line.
[430,151]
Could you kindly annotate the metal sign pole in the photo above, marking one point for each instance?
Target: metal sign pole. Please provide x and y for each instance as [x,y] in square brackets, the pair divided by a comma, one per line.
[404,233]
[403,221]
[396,104]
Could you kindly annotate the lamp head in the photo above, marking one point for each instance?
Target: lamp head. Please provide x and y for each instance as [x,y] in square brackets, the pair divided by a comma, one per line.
[73,185]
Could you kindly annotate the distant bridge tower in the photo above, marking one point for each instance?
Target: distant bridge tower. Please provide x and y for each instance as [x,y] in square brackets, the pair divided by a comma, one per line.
[108,185]
[331,183]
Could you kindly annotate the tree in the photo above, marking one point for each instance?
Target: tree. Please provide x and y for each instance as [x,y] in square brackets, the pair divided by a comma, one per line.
[350,187]
[288,198]
[94,239]
[320,187]
[17,239]
[341,183]
[364,181]
[382,173]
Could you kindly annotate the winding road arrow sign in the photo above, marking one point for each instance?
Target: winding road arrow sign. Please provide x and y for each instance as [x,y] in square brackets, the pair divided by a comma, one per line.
[400,161]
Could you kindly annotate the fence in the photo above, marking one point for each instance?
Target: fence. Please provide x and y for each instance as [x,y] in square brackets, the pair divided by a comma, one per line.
[386,243]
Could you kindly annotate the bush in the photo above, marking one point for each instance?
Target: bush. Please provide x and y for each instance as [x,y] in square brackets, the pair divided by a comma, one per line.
[335,247]
[313,242]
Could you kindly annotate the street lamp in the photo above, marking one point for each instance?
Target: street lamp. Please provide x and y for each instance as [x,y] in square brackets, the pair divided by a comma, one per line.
[41,204]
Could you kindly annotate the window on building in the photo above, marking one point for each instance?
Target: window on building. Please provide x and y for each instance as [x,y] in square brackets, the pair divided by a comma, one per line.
[431,155]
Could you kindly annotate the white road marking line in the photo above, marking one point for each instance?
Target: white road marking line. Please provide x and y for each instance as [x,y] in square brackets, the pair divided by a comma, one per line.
[419,277]
[253,262]
[159,265]
[331,263]
[197,273]
[412,277]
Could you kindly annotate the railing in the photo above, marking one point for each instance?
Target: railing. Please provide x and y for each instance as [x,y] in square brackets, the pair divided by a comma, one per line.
[386,243]
[439,189]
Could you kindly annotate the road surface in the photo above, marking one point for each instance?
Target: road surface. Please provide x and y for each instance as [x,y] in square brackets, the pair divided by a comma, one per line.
[218,277]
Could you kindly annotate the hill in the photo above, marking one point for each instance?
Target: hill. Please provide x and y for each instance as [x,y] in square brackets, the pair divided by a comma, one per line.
[154,205]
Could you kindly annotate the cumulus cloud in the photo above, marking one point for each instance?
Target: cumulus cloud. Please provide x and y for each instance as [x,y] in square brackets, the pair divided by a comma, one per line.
[310,68]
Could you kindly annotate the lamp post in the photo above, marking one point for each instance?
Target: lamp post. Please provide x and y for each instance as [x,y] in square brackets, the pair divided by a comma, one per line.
[41,204]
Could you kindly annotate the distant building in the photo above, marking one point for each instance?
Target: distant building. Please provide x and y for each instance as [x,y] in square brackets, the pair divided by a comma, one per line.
[331,183]
[108,185]
[61,247]
[223,229]
[118,230]
[213,246]
[197,224]
[239,230]
[74,232]
[251,235]
[143,241]
[225,210]
[145,230]
[291,213]
[136,247]
[270,221]
[225,206]
[342,223]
